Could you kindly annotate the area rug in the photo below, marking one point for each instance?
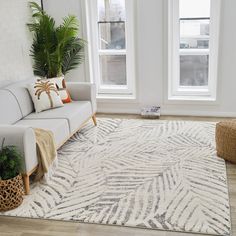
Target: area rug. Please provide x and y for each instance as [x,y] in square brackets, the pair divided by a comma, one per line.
[161,175]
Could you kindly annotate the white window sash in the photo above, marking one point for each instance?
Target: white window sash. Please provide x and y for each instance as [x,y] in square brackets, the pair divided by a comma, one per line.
[194,52]
[174,53]
[96,52]
[112,52]
[196,37]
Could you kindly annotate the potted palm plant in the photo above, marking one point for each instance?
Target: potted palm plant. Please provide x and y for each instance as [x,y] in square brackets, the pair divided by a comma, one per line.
[56,50]
[11,183]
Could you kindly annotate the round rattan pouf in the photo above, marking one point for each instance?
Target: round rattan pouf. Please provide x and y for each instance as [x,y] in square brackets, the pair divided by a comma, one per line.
[11,193]
[226,140]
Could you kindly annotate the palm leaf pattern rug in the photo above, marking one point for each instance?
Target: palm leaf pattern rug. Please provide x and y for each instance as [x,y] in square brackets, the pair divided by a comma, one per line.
[161,175]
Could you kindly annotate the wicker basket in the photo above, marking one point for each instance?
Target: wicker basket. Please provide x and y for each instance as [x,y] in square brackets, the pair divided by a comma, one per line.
[11,193]
[226,140]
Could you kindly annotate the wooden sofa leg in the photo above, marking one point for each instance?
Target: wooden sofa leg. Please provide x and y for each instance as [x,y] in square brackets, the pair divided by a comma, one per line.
[94,120]
[26,183]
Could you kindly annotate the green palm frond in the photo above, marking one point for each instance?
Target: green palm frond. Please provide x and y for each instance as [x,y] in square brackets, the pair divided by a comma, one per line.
[37,11]
[73,54]
[70,25]
[68,29]
[33,27]
[35,7]
[55,50]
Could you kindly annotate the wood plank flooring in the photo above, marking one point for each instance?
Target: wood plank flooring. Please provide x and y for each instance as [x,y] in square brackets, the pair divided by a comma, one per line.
[13,226]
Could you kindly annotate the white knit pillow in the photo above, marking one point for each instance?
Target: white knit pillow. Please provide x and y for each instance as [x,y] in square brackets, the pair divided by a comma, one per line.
[44,95]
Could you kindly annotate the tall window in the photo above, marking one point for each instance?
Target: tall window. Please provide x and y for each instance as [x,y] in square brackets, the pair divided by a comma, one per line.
[112,52]
[193,48]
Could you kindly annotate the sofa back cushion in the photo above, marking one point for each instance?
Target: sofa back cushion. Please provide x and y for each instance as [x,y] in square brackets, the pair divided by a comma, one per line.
[21,93]
[9,108]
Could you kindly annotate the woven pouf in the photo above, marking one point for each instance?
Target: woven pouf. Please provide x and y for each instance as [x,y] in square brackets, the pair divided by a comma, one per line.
[11,193]
[226,140]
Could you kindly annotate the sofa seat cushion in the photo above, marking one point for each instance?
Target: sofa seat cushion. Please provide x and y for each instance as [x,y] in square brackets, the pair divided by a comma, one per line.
[59,127]
[76,113]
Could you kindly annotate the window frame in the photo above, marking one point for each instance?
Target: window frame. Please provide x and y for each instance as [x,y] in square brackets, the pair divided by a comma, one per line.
[95,52]
[175,90]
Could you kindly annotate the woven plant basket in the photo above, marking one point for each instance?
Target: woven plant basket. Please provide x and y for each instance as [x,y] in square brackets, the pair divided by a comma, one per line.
[226,140]
[11,193]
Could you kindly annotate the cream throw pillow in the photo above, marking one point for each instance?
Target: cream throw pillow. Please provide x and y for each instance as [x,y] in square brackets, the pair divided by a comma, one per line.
[44,95]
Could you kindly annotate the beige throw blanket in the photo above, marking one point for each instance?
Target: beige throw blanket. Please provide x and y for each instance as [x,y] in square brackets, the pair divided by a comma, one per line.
[46,151]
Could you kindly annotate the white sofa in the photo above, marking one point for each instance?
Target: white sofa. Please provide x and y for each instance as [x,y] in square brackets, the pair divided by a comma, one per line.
[17,119]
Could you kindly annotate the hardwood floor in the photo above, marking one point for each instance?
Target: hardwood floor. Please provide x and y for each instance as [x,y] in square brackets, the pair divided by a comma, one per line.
[13,226]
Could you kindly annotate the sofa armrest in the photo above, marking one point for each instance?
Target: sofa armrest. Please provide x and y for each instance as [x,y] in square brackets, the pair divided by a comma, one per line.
[23,138]
[80,91]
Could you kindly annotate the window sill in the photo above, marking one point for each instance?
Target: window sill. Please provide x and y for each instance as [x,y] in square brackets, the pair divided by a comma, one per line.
[114,98]
[198,100]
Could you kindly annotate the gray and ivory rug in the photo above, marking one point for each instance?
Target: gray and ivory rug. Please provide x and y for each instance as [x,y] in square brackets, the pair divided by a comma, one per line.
[162,175]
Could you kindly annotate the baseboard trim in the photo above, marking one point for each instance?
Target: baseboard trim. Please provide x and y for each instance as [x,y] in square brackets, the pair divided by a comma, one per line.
[118,111]
[164,112]
[200,113]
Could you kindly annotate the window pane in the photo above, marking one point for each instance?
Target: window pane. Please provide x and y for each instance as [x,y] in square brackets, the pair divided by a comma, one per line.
[112,35]
[194,8]
[191,28]
[194,34]
[113,70]
[188,43]
[194,70]
[111,10]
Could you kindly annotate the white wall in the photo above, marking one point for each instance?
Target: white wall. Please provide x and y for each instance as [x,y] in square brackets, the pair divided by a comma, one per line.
[60,9]
[152,64]
[15,62]
[151,61]
[16,40]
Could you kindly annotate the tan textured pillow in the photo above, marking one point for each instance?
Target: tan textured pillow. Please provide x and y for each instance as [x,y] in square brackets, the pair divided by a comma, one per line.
[44,95]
